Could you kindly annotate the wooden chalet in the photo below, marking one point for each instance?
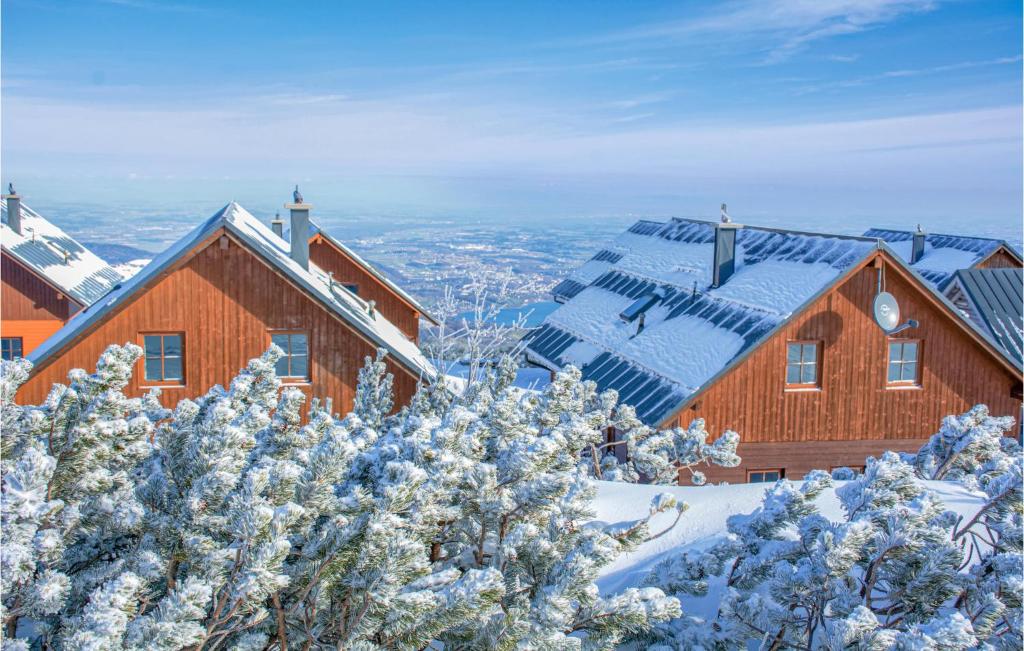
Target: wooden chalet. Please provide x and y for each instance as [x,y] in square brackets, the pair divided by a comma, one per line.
[46,276]
[770,333]
[219,297]
[936,256]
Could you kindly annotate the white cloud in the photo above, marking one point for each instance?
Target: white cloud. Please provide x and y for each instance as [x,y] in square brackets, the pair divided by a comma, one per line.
[787,26]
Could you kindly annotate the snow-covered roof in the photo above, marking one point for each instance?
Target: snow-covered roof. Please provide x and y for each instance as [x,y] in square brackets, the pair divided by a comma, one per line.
[943,254]
[275,251]
[693,331]
[56,257]
[370,269]
[995,298]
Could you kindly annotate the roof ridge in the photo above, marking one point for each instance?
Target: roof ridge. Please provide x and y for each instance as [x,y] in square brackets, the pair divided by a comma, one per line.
[784,231]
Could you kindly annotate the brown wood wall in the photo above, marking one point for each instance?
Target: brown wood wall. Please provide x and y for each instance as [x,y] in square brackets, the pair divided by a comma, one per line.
[225,300]
[329,258]
[800,458]
[999,259]
[853,405]
[30,308]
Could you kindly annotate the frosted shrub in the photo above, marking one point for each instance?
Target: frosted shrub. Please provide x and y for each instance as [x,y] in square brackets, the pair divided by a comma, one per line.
[227,523]
[899,571]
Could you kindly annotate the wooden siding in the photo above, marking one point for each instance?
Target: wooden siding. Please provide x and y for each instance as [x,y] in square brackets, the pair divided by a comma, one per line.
[853,407]
[30,307]
[395,309]
[225,300]
[1001,258]
[798,459]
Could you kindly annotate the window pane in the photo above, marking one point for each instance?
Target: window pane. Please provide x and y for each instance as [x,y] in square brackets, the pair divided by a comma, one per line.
[152,344]
[756,477]
[910,352]
[894,371]
[172,368]
[281,341]
[153,369]
[299,345]
[810,353]
[895,351]
[792,353]
[172,345]
[793,374]
[299,366]
[808,374]
[16,350]
[771,476]
[909,371]
[281,367]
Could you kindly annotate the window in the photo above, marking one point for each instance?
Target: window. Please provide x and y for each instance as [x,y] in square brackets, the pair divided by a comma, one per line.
[903,361]
[352,287]
[11,347]
[164,357]
[802,364]
[295,362]
[762,476]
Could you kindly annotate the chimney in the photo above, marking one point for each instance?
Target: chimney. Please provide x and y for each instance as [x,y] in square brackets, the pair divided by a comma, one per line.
[299,229]
[277,225]
[917,251]
[13,209]
[725,250]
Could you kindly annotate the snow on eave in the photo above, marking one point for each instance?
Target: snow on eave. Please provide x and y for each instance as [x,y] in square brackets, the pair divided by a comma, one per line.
[57,258]
[234,219]
[369,268]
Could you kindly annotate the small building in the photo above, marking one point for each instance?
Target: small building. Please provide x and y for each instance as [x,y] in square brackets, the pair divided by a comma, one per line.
[936,256]
[219,297]
[992,299]
[771,333]
[46,275]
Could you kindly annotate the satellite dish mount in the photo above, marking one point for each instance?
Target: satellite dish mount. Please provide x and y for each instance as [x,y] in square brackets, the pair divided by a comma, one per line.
[887,311]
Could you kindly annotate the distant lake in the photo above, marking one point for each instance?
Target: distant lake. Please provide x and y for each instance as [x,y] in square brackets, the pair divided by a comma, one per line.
[535,313]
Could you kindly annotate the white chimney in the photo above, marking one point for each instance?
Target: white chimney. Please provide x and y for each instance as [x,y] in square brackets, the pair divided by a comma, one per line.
[277,225]
[299,229]
[13,209]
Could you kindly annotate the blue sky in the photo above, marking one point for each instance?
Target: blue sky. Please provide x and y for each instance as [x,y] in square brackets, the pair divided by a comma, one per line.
[889,109]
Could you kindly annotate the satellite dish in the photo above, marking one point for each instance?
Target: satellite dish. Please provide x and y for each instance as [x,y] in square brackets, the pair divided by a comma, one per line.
[887,311]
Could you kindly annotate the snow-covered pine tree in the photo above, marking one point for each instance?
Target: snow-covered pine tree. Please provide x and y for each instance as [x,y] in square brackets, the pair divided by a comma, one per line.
[68,503]
[229,524]
[242,529]
[514,496]
[889,575]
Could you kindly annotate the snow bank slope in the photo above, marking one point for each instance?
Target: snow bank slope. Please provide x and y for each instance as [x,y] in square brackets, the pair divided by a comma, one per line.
[705,520]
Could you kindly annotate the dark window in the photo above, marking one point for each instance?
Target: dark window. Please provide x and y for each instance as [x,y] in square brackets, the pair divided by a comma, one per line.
[164,357]
[802,363]
[295,362]
[903,361]
[352,287]
[762,476]
[11,347]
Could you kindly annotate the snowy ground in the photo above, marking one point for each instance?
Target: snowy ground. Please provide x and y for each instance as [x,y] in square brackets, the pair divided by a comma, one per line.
[704,523]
